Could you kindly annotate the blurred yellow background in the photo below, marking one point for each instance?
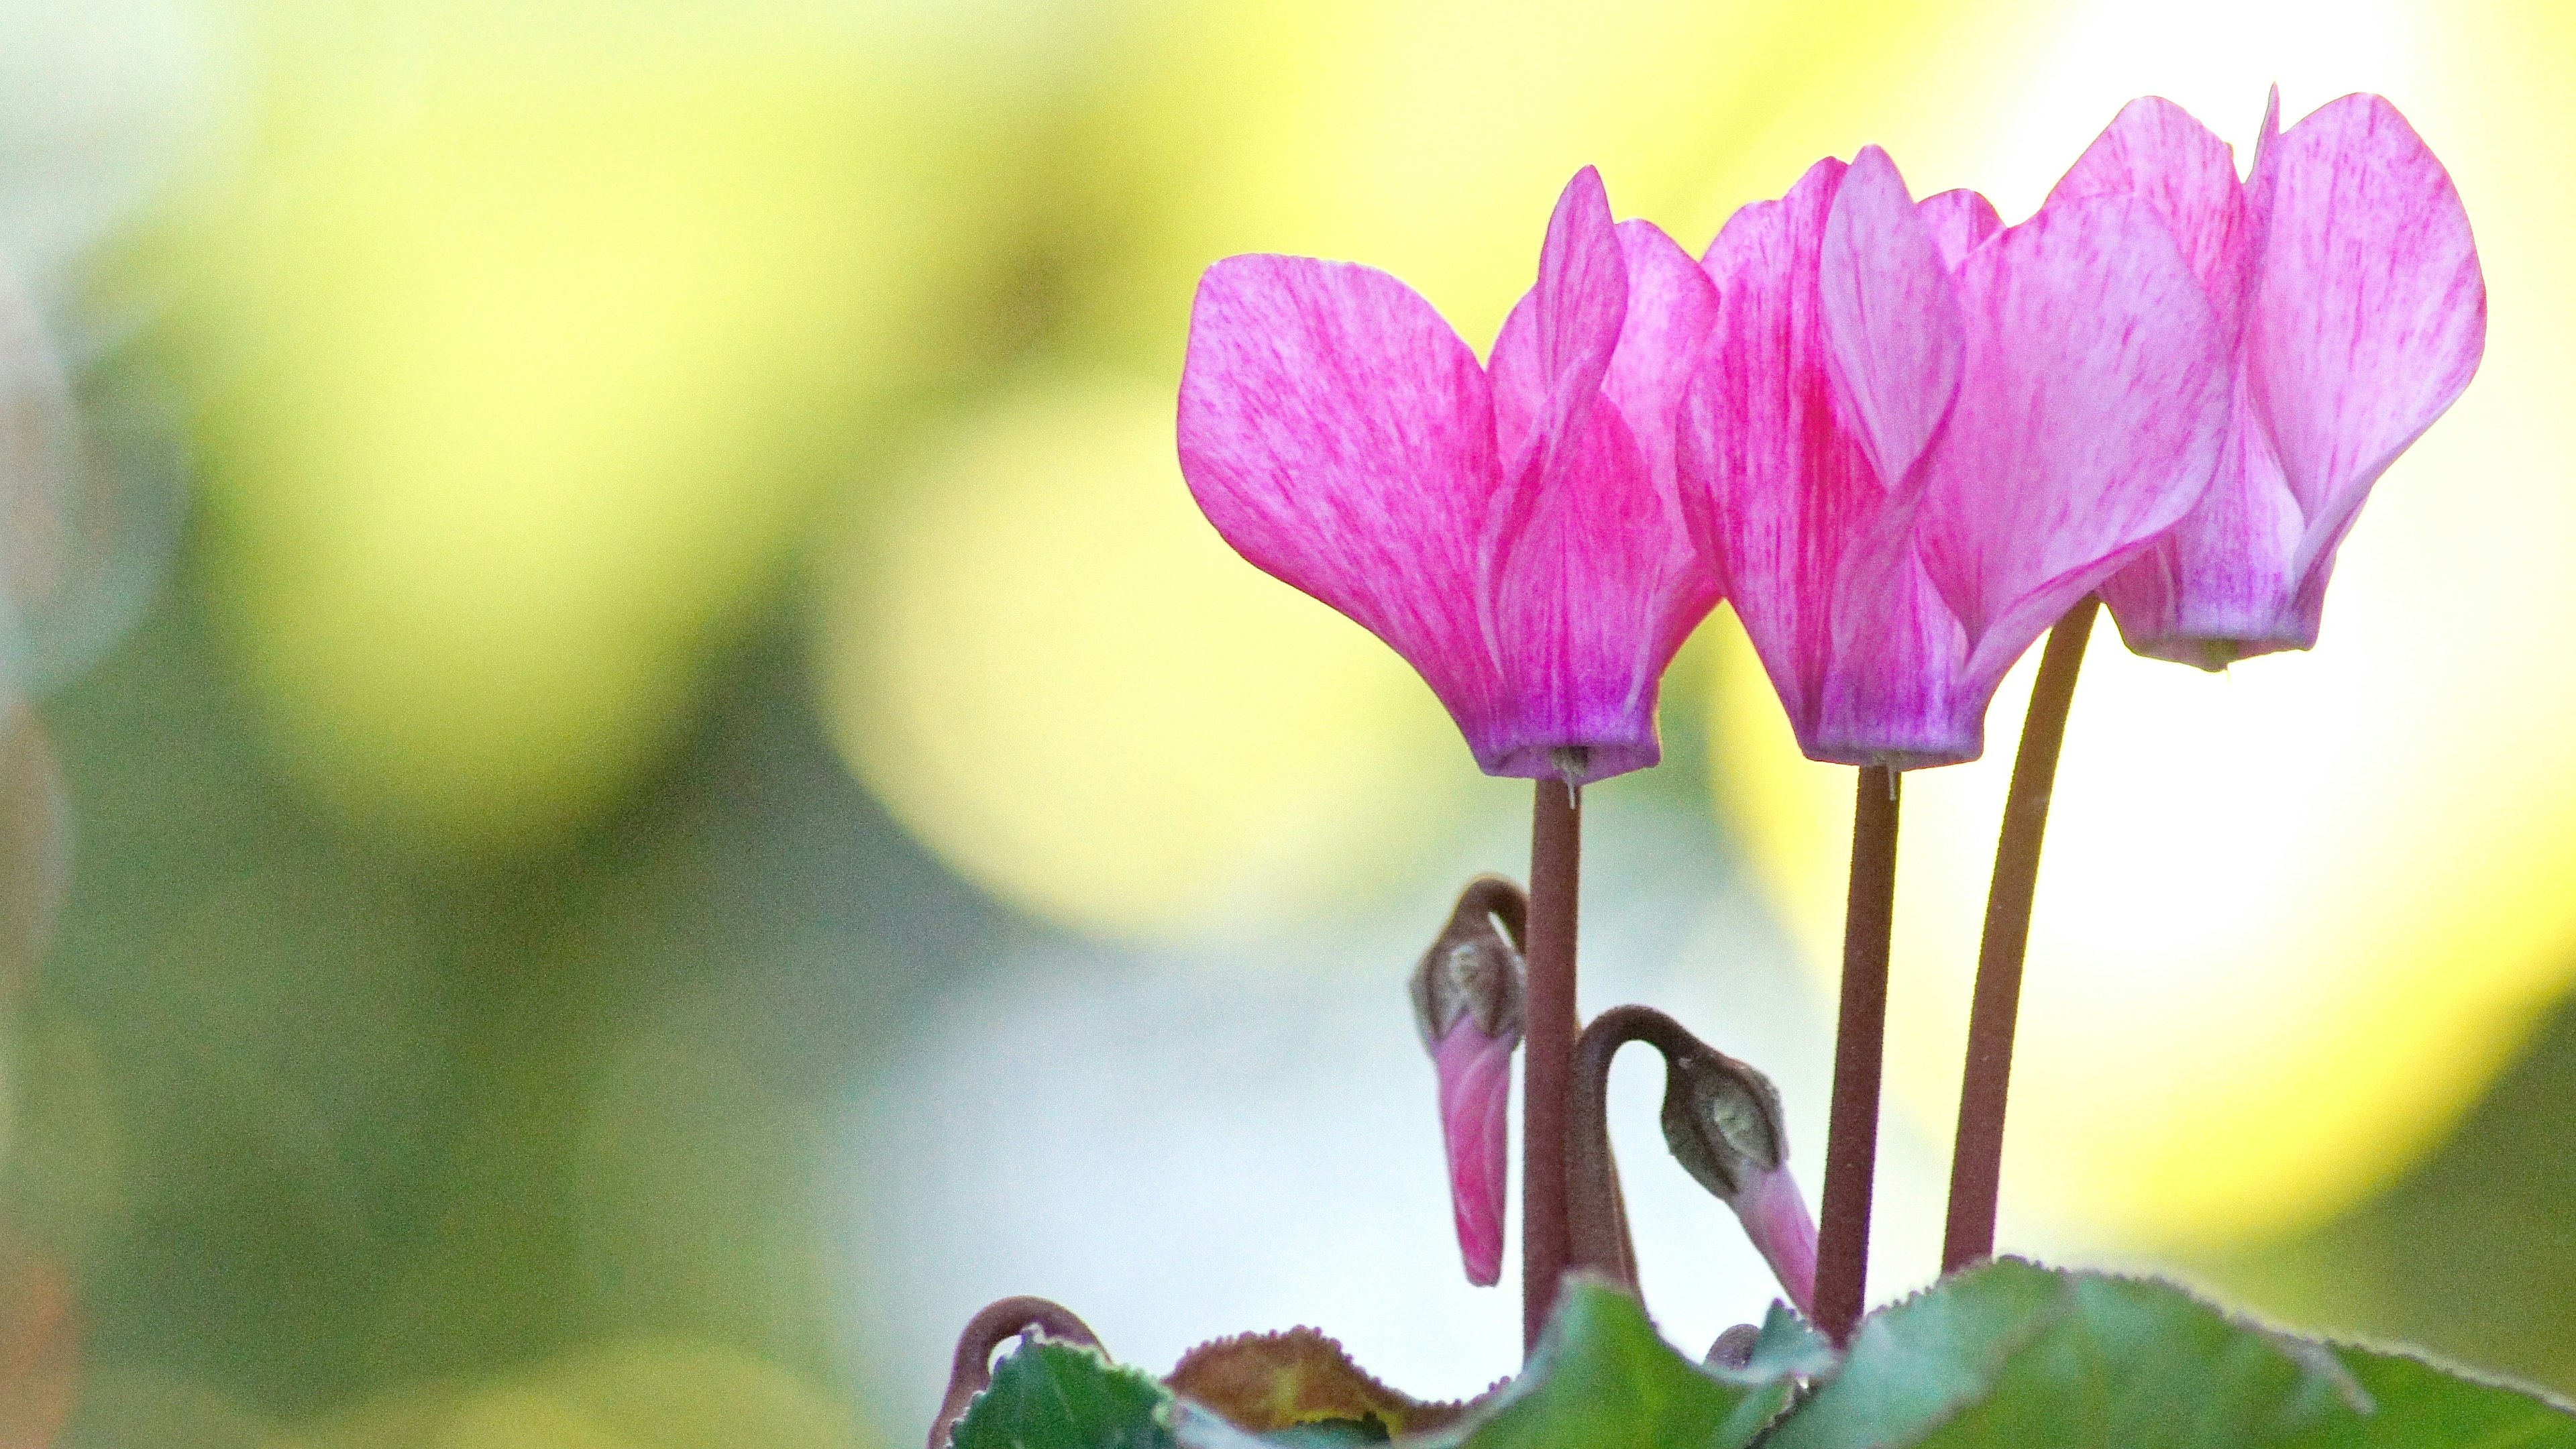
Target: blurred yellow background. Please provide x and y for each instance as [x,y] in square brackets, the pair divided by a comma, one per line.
[660,782]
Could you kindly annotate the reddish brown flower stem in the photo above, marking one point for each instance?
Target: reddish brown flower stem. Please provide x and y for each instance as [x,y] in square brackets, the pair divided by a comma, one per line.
[971,1371]
[1597,1212]
[1556,867]
[1860,1036]
[1976,1164]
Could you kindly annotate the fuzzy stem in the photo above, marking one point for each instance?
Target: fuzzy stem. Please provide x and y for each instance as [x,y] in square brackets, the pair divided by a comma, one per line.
[1556,863]
[1851,1141]
[1597,1223]
[1977,1161]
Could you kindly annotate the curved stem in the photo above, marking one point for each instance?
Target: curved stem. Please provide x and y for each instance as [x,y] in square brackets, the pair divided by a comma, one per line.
[1977,1161]
[1556,864]
[971,1371]
[1496,896]
[1596,1215]
[1860,1037]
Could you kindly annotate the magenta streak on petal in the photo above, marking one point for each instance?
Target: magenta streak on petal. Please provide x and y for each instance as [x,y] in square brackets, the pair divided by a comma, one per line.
[1593,582]
[1892,323]
[1774,1214]
[1960,221]
[1774,488]
[1475,1108]
[2088,423]
[2368,315]
[1341,437]
[2154,150]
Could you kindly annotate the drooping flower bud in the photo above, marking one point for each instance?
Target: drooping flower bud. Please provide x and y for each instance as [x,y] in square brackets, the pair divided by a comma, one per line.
[1467,1005]
[1722,1120]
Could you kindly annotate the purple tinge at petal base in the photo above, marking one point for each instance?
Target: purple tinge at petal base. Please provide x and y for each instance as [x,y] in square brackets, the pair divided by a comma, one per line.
[1516,534]
[1475,1111]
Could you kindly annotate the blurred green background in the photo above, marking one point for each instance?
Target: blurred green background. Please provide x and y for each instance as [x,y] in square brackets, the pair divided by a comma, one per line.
[630,784]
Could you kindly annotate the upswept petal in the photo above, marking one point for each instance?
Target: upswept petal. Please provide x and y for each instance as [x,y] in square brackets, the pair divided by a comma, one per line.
[2088,420]
[1340,436]
[1593,590]
[2368,314]
[1774,487]
[1961,221]
[2160,153]
[2216,587]
[1592,580]
[1892,323]
[1569,326]
[1672,308]
[1475,1107]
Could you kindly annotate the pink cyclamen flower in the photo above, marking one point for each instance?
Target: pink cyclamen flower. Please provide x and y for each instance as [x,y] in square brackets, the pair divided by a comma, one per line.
[1919,437]
[1513,530]
[2347,289]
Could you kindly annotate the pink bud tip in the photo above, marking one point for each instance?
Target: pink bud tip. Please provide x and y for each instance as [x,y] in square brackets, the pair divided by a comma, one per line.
[1775,1218]
[1475,1106]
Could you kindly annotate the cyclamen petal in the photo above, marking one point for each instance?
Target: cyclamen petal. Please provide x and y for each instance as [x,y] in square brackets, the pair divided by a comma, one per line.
[1892,324]
[2357,316]
[2088,425]
[1517,534]
[2369,315]
[1960,222]
[2047,398]
[1341,437]
[2154,150]
[1779,491]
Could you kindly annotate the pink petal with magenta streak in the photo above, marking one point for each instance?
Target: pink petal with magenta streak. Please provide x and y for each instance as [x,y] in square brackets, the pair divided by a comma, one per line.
[1593,581]
[1340,436]
[1960,221]
[1892,324]
[1554,362]
[1775,489]
[2157,152]
[2368,315]
[2089,420]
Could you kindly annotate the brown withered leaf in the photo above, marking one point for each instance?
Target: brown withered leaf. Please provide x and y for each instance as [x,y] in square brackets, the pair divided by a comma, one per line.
[1265,1382]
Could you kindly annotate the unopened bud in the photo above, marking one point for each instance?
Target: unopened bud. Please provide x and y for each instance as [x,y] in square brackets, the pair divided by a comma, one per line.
[1722,1120]
[1467,1006]
[1474,970]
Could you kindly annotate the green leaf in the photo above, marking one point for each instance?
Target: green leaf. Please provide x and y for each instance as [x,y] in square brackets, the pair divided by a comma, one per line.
[1788,1346]
[1049,1395]
[1603,1379]
[2014,1356]
[2419,1403]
